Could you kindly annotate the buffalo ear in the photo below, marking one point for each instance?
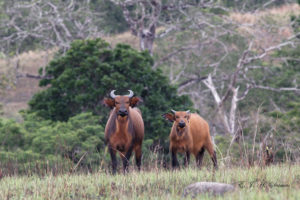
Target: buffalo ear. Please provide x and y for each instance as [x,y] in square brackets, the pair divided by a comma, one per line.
[169,116]
[188,116]
[109,102]
[134,101]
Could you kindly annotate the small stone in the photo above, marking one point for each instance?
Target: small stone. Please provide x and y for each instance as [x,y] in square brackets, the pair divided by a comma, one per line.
[207,187]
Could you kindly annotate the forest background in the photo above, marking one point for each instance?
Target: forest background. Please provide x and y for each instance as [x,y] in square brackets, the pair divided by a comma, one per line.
[236,63]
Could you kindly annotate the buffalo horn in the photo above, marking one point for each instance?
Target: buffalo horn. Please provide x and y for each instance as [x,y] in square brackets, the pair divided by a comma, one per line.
[112,94]
[173,111]
[188,111]
[130,94]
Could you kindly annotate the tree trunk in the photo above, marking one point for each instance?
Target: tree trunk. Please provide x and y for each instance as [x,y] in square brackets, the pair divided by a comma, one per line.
[147,39]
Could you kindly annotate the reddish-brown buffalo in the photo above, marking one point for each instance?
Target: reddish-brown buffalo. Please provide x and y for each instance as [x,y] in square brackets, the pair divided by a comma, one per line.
[124,131]
[189,134]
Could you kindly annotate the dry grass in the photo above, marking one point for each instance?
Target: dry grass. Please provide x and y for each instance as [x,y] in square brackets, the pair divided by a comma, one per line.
[126,38]
[268,27]
[20,90]
[275,182]
[282,13]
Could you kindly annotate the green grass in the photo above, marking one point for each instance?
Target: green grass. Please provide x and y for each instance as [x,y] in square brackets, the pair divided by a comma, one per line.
[275,182]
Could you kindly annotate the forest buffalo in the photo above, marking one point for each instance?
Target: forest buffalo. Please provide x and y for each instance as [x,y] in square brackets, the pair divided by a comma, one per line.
[124,131]
[189,134]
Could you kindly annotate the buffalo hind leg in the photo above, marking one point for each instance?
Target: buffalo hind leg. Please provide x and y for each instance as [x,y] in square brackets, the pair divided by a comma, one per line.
[113,159]
[214,159]
[186,160]
[175,163]
[199,157]
[213,155]
[138,156]
[126,159]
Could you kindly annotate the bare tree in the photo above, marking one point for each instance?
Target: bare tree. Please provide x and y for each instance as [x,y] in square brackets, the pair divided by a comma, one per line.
[142,16]
[217,55]
[47,24]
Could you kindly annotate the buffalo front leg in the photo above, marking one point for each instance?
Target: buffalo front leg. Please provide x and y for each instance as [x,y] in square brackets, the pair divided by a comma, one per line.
[175,163]
[186,160]
[126,159]
[112,152]
[138,157]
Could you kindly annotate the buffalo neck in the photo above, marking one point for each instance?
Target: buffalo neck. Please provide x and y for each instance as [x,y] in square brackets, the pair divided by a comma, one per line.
[182,133]
[122,124]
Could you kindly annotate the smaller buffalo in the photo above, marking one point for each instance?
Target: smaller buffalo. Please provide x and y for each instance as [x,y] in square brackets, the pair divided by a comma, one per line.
[124,130]
[189,134]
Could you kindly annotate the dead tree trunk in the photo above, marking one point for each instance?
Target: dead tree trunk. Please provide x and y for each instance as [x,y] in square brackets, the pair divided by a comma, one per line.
[143,18]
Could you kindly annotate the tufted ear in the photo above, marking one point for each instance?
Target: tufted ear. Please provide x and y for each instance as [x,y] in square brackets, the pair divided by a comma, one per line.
[169,116]
[134,101]
[109,102]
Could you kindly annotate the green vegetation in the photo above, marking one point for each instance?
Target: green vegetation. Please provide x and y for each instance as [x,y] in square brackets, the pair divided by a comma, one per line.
[276,182]
[67,119]
[64,125]
[38,141]
[87,73]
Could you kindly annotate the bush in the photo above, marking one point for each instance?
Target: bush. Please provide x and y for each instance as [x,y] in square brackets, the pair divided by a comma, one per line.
[79,80]
[30,142]
[11,135]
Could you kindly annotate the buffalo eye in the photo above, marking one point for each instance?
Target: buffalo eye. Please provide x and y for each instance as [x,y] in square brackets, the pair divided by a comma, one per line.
[117,103]
[127,102]
[177,117]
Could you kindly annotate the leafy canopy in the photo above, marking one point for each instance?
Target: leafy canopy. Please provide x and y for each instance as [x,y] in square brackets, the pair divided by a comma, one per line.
[79,80]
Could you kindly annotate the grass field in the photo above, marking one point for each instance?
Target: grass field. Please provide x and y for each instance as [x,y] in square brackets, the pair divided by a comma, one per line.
[274,182]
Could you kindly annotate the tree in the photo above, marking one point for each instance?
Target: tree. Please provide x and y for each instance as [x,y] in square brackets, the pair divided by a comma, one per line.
[218,60]
[27,25]
[78,81]
[142,16]
[111,14]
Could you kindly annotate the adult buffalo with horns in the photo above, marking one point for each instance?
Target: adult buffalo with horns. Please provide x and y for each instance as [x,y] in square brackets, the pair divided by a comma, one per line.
[189,134]
[124,131]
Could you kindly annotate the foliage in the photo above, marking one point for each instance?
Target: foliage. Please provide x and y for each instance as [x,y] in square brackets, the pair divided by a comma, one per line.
[78,81]
[1,109]
[40,140]
[113,19]
[12,135]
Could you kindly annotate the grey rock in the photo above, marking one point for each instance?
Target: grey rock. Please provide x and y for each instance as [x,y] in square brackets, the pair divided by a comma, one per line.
[207,187]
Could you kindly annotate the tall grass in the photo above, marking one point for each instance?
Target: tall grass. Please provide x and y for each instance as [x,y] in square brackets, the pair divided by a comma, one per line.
[274,182]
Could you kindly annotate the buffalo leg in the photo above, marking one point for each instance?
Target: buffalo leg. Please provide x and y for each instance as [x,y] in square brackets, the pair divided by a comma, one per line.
[113,159]
[213,155]
[126,159]
[186,160]
[175,162]
[138,157]
[199,157]
[214,159]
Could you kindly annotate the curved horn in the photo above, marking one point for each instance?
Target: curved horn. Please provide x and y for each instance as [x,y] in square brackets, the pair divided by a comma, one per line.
[188,111]
[173,111]
[112,94]
[130,94]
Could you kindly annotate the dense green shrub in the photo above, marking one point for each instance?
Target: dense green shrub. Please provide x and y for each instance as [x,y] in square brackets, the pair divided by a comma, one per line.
[37,140]
[12,135]
[78,81]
